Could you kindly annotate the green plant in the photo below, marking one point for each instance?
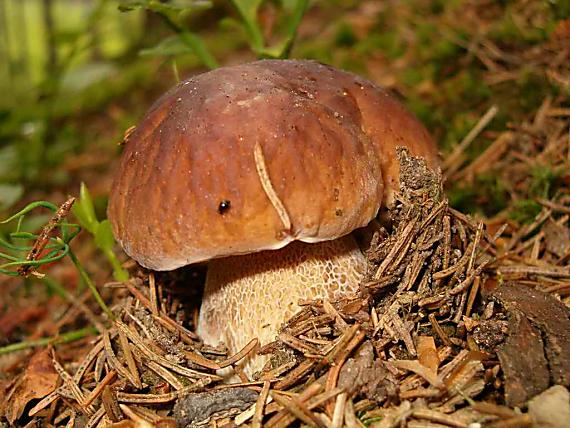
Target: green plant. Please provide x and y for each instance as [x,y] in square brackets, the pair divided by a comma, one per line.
[543,180]
[47,78]
[524,210]
[249,11]
[50,245]
[62,338]
[486,195]
[175,14]
[27,258]
[101,231]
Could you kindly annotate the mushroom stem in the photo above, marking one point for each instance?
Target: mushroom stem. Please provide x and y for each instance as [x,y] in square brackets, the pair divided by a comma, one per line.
[253,295]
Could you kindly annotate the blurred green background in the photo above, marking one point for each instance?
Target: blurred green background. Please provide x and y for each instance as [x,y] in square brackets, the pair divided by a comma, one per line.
[75,74]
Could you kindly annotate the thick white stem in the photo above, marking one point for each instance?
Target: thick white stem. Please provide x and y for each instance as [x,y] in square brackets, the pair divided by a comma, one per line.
[253,295]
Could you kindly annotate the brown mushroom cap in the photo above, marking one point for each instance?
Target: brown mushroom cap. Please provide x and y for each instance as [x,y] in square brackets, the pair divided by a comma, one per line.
[191,187]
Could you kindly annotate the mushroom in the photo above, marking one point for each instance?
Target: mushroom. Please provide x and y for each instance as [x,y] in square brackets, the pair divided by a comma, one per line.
[263,170]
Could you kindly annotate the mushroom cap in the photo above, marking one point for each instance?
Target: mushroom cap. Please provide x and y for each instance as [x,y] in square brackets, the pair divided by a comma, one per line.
[251,157]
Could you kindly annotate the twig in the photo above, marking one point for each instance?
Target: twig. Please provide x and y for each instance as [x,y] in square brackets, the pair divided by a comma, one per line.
[435,324]
[299,409]
[334,372]
[554,206]
[153,296]
[438,417]
[268,188]
[116,364]
[131,364]
[139,343]
[139,421]
[259,405]
[110,377]
[244,352]
[452,162]
[44,237]
[339,410]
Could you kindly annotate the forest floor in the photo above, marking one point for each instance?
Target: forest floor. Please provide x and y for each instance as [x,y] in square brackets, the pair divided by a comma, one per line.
[463,317]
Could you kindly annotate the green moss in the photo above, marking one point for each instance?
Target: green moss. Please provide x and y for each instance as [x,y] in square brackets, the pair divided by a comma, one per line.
[487,195]
[457,128]
[354,63]
[532,89]
[345,35]
[421,109]
[444,50]
[413,76]
[543,180]
[508,31]
[524,211]
[427,32]
[467,87]
[436,7]
[560,9]
[368,422]
[389,43]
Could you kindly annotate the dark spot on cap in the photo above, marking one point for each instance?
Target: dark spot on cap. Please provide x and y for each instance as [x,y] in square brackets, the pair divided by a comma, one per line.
[224,207]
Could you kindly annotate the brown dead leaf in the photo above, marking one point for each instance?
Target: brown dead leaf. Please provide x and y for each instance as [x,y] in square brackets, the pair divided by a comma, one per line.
[414,366]
[539,326]
[557,238]
[427,353]
[38,380]
[5,386]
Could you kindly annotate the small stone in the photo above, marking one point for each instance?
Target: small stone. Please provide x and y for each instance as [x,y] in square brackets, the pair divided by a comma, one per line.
[198,407]
[550,409]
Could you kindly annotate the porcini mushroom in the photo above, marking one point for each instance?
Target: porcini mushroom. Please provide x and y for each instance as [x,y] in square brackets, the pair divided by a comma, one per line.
[264,170]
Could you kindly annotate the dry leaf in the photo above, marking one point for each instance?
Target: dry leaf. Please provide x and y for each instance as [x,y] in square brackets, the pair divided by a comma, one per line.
[557,238]
[38,380]
[427,353]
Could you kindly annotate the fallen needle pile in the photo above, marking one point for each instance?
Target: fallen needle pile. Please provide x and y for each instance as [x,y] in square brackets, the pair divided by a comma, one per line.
[433,340]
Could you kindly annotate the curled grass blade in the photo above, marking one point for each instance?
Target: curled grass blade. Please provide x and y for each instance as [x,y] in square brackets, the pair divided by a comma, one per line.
[46,248]
[30,207]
